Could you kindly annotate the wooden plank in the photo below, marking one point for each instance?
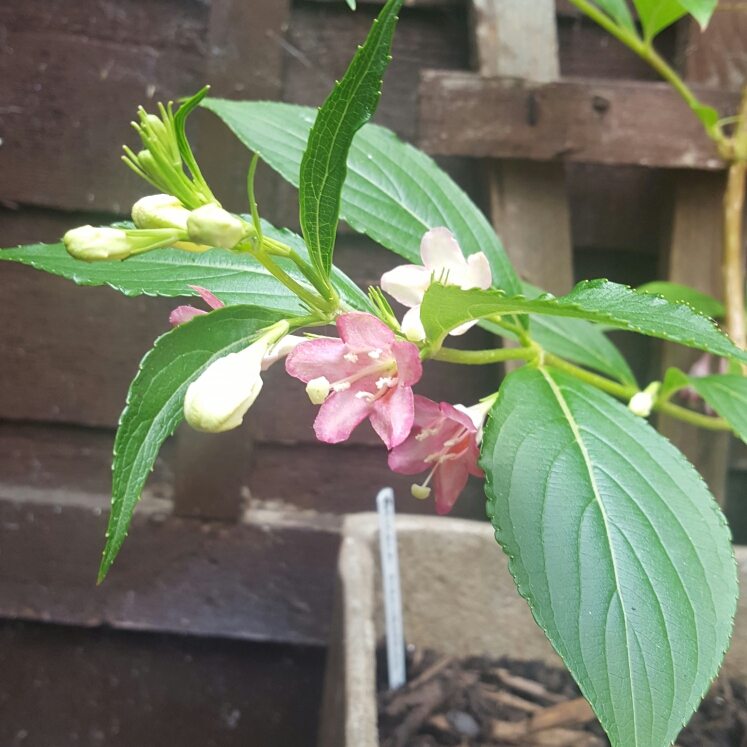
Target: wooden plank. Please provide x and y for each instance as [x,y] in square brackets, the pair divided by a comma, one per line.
[70,686]
[529,204]
[694,253]
[267,578]
[67,102]
[715,58]
[245,40]
[587,121]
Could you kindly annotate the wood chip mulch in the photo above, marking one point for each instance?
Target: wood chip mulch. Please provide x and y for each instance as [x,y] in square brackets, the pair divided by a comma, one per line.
[480,702]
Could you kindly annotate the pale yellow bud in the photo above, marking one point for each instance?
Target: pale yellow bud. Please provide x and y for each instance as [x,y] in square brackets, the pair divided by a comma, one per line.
[160,211]
[214,226]
[641,404]
[95,244]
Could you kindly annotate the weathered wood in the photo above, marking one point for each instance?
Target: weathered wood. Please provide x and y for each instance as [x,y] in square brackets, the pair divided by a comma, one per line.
[529,204]
[64,685]
[694,259]
[607,122]
[516,39]
[268,578]
[245,40]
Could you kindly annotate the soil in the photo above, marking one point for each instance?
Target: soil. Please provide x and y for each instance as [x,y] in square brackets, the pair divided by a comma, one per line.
[478,702]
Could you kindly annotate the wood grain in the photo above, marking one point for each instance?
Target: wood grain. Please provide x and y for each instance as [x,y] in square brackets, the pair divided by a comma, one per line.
[607,122]
[267,578]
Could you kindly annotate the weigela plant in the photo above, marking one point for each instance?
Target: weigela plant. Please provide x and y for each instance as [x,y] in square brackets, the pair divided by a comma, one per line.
[612,536]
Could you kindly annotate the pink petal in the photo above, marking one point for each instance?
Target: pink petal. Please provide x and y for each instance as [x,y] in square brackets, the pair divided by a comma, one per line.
[440,250]
[392,416]
[426,411]
[471,459]
[208,297]
[320,357]
[360,330]
[409,366]
[448,483]
[458,416]
[478,272]
[340,415]
[406,283]
[184,314]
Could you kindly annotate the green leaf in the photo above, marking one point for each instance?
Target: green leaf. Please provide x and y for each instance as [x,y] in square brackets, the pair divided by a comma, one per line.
[156,399]
[618,10]
[351,104]
[393,193]
[575,340]
[707,115]
[617,545]
[656,15]
[678,293]
[233,278]
[725,393]
[701,10]
[447,307]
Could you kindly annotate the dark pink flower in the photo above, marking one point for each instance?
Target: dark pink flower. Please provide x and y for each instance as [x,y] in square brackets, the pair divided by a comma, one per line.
[444,440]
[183,314]
[364,374]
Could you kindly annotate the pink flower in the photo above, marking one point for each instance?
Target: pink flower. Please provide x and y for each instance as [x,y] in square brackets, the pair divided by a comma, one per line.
[364,374]
[445,440]
[443,262]
[183,314]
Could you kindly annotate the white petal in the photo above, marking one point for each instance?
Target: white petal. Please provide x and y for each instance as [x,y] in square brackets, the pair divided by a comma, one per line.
[478,272]
[462,329]
[281,350]
[440,251]
[406,283]
[412,327]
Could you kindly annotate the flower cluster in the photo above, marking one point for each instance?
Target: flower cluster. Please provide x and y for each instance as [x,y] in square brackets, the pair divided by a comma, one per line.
[365,373]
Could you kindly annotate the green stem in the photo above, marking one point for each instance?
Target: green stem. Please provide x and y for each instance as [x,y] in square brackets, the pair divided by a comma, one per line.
[606,385]
[644,48]
[695,418]
[517,329]
[313,301]
[483,357]
[626,392]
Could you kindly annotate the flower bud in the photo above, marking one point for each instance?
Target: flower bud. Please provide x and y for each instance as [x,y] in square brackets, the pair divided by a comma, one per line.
[94,244]
[281,350]
[160,211]
[211,224]
[218,400]
[318,390]
[642,403]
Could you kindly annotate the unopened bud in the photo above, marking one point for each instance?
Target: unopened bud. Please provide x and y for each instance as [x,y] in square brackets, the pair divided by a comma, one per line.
[281,350]
[160,211]
[642,403]
[420,492]
[94,244]
[318,390]
[218,400]
[215,226]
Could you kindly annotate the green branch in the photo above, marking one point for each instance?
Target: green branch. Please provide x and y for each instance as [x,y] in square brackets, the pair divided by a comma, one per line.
[483,357]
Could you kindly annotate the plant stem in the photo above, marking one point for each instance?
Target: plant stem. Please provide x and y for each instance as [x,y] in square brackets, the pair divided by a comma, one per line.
[694,418]
[483,357]
[620,391]
[731,267]
[626,392]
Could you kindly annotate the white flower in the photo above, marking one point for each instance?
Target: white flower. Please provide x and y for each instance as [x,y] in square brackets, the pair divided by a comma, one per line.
[443,263]
[218,400]
[214,226]
[281,350]
[160,211]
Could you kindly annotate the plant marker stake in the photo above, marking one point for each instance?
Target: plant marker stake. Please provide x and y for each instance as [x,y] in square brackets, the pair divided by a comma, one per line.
[395,637]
